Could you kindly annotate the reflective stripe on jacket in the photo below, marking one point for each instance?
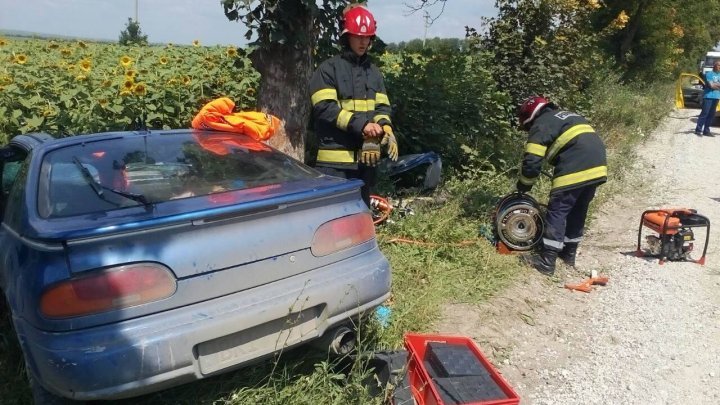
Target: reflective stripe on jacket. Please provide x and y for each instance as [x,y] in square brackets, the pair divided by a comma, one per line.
[346,92]
[568,143]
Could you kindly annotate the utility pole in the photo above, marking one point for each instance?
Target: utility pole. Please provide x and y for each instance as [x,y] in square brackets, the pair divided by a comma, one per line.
[427,24]
[136,11]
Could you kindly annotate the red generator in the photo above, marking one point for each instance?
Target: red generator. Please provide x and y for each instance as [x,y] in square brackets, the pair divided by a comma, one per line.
[675,238]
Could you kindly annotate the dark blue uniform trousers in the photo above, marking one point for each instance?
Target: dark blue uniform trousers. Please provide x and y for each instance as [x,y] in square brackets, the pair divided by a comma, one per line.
[367,174]
[565,217]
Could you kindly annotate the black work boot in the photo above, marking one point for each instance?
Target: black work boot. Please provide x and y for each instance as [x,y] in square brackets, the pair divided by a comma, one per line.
[568,254]
[544,262]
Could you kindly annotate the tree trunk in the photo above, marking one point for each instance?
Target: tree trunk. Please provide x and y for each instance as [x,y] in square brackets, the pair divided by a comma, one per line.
[285,72]
[626,42]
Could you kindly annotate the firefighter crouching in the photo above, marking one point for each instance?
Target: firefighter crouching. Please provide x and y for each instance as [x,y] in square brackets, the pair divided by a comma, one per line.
[351,110]
[566,141]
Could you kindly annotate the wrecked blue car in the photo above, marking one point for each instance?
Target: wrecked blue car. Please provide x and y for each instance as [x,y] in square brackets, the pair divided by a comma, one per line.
[136,261]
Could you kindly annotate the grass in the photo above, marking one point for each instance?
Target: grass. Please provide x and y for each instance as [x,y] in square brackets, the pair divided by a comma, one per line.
[426,277]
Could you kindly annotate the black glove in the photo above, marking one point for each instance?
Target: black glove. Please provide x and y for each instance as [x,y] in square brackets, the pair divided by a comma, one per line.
[522,187]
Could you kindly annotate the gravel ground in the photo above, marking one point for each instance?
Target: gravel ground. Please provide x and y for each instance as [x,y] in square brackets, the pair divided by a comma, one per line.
[652,334]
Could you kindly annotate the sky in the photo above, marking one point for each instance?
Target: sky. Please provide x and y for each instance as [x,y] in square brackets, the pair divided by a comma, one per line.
[182,21]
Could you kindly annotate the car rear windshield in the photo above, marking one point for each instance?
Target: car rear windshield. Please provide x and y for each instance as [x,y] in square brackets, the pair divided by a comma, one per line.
[121,172]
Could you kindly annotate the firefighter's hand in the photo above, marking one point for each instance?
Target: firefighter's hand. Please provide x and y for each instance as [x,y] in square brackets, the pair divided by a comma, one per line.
[372,130]
[370,153]
[390,141]
[523,188]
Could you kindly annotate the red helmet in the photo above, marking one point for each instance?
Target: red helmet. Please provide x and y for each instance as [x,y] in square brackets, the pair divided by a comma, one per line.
[359,21]
[530,108]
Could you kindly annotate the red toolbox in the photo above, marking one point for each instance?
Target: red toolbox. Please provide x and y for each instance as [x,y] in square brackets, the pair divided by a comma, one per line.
[451,370]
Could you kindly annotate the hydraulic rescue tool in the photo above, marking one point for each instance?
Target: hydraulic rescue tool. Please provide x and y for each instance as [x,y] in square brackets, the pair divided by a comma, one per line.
[518,223]
[675,238]
[380,208]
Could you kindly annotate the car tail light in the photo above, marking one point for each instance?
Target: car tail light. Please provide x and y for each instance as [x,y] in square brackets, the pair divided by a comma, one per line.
[342,233]
[108,289]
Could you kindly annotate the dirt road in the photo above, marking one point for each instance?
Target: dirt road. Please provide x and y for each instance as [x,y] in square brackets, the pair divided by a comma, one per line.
[652,335]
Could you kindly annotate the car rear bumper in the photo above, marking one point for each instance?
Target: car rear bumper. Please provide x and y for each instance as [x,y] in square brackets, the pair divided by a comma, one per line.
[150,353]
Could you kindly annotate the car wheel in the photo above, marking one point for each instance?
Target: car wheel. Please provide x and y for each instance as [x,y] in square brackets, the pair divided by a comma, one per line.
[41,396]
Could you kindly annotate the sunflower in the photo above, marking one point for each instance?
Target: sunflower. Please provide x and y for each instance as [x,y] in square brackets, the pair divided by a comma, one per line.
[125,93]
[82,44]
[21,59]
[80,78]
[231,52]
[103,102]
[85,65]
[130,74]
[106,83]
[128,85]
[172,82]
[169,45]
[66,52]
[126,61]
[48,111]
[250,91]
[163,60]
[186,80]
[53,45]
[196,42]
[3,42]
[140,89]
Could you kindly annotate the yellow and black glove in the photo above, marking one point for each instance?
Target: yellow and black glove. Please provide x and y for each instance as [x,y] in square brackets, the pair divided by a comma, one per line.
[391,143]
[370,152]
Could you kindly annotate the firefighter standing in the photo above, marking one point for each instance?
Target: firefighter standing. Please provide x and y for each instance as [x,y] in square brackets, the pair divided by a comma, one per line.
[351,110]
[566,141]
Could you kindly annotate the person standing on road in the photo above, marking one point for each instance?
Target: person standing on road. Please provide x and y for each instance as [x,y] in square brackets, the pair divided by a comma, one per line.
[711,97]
[350,107]
[566,141]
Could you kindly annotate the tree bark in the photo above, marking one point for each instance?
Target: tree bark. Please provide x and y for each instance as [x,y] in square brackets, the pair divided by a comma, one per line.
[628,38]
[285,72]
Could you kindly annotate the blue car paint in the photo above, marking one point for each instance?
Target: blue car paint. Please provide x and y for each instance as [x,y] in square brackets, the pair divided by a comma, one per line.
[141,349]
[100,362]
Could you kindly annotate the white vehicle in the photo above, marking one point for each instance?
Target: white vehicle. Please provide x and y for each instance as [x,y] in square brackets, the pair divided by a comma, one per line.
[707,63]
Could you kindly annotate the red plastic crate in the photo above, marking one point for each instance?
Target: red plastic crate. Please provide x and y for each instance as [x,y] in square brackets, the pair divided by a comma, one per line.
[423,387]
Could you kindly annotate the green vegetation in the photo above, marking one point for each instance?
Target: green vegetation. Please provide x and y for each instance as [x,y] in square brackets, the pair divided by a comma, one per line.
[132,34]
[72,87]
[458,101]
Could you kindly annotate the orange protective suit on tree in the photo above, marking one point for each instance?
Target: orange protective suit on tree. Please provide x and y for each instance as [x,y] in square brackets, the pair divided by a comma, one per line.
[218,115]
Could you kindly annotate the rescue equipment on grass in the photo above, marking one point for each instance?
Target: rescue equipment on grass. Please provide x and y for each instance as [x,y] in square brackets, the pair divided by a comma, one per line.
[518,223]
[381,209]
[675,238]
[446,370]
[218,115]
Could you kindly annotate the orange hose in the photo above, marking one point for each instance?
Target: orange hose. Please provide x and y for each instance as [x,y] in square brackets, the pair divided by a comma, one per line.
[463,243]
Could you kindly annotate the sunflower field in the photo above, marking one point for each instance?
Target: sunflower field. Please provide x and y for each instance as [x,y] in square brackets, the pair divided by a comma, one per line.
[75,87]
